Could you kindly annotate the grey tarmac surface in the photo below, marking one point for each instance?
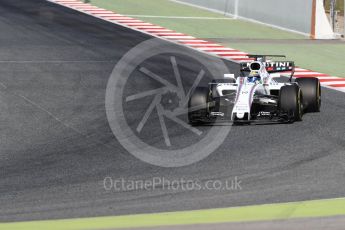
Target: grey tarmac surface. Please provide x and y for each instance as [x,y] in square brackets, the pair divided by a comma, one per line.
[56,146]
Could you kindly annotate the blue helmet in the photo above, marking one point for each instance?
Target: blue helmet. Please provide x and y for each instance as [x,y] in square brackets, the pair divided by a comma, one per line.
[253,79]
[253,76]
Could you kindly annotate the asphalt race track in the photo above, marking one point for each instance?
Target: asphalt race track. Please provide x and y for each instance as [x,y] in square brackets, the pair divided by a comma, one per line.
[57,147]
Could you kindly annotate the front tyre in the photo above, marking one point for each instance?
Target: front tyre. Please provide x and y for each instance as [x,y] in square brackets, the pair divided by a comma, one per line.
[290,99]
[198,105]
[311,91]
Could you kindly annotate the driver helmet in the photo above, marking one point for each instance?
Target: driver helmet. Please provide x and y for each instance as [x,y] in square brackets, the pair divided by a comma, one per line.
[254,76]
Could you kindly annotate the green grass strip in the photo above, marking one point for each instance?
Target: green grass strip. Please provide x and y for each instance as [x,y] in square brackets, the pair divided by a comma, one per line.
[323,58]
[199,28]
[280,211]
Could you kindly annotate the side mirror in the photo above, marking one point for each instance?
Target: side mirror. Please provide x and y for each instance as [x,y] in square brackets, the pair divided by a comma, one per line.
[229,76]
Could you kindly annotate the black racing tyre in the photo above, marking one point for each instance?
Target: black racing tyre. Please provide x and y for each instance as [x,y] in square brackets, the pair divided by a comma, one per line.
[290,98]
[219,81]
[311,91]
[198,105]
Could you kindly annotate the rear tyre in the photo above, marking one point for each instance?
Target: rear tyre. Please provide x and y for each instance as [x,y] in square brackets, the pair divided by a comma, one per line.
[311,91]
[198,106]
[290,98]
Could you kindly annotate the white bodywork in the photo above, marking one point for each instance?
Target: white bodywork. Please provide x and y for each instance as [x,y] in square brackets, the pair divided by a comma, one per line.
[245,91]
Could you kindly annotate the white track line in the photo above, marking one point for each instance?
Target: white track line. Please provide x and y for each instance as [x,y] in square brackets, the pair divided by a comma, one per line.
[149,27]
[202,45]
[127,19]
[133,24]
[177,37]
[333,83]
[229,53]
[177,17]
[307,73]
[156,30]
[194,41]
[217,48]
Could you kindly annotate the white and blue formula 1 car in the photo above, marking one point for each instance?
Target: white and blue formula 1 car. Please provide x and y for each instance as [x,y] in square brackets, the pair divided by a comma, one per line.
[256,95]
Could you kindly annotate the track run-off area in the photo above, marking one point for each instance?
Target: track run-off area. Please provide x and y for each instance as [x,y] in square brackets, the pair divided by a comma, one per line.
[202,45]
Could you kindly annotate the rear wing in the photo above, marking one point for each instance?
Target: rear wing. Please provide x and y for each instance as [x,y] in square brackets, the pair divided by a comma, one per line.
[272,66]
[263,57]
